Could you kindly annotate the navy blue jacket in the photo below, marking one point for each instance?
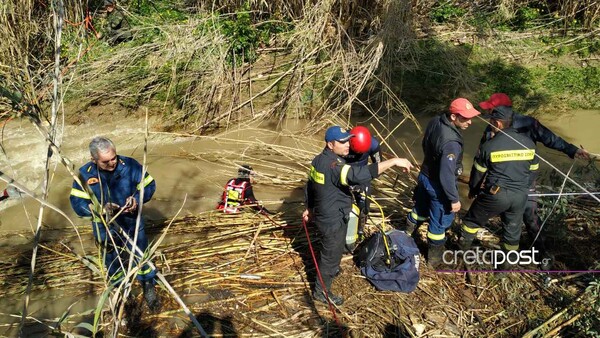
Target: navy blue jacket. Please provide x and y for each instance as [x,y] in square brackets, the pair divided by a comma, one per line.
[327,191]
[111,187]
[354,158]
[504,163]
[536,132]
[443,152]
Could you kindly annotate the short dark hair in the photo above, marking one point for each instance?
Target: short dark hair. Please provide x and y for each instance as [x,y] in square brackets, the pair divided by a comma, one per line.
[245,171]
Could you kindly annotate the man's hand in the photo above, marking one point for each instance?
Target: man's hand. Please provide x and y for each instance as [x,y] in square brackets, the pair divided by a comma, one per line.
[582,154]
[306,215]
[130,205]
[455,206]
[403,163]
[110,208]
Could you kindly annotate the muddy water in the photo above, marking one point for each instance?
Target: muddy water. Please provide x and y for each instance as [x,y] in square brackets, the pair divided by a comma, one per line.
[192,168]
[185,168]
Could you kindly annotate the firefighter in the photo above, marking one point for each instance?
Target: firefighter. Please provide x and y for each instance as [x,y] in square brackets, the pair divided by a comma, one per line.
[238,192]
[328,201]
[499,181]
[112,185]
[436,194]
[534,130]
[363,147]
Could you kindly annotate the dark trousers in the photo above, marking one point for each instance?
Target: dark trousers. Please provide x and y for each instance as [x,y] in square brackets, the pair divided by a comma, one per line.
[509,204]
[116,251]
[333,234]
[530,218]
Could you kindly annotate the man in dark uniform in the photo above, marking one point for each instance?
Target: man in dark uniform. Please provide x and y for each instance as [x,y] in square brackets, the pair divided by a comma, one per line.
[436,195]
[534,130]
[503,164]
[328,202]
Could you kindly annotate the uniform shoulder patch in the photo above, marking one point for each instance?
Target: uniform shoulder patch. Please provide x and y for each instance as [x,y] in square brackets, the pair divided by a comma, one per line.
[451,157]
[92,180]
[335,163]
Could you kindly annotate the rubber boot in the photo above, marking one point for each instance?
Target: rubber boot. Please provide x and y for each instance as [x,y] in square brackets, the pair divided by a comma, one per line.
[319,295]
[547,261]
[410,227]
[465,242]
[434,255]
[150,295]
[505,266]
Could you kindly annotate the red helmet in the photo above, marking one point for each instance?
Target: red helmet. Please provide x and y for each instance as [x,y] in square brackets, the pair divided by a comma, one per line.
[361,142]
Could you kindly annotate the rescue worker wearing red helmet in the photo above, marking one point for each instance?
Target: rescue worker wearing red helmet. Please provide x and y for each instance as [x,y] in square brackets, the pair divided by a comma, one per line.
[363,147]
[328,202]
[436,194]
[537,132]
[238,192]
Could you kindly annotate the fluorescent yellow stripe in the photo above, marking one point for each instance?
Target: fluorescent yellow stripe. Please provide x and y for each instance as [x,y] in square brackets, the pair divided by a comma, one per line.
[116,276]
[145,271]
[417,217]
[512,155]
[479,168]
[316,176]
[147,180]
[469,230]
[436,237]
[510,247]
[534,167]
[355,209]
[80,194]
[344,174]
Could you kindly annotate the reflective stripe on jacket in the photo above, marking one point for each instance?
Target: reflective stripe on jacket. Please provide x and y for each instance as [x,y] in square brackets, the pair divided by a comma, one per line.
[327,191]
[504,162]
[112,187]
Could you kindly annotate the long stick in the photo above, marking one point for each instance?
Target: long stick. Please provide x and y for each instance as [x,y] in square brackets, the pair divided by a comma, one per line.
[564,194]
[58,11]
[165,282]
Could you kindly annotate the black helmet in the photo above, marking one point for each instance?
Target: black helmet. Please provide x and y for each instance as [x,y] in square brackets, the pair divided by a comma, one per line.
[245,171]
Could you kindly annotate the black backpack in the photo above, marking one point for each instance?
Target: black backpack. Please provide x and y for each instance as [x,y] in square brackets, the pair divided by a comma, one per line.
[397,270]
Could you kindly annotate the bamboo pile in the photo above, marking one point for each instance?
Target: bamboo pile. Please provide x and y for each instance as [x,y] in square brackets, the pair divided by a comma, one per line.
[249,275]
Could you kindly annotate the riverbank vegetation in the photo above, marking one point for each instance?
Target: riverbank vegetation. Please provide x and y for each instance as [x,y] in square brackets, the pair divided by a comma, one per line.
[205,64]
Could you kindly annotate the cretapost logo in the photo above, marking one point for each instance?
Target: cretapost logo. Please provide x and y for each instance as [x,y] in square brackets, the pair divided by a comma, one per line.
[495,258]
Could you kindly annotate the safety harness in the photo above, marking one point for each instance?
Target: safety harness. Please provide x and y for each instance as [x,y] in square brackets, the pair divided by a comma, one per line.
[233,196]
